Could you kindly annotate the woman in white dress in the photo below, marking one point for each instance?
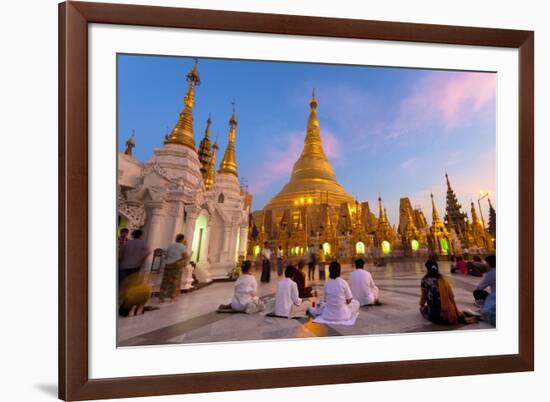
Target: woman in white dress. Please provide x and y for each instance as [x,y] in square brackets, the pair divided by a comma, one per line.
[245,296]
[339,304]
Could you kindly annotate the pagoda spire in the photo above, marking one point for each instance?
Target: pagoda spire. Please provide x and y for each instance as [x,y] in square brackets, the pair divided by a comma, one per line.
[130,144]
[381,209]
[453,212]
[182,133]
[229,161]
[435,215]
[211,173]
[492,219]
[204,149]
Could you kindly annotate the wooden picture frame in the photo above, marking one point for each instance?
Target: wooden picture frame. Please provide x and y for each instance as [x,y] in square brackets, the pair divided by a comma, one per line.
[74,381]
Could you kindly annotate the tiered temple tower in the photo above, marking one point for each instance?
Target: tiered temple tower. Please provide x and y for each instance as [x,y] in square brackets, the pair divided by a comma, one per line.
[454,217]
[439,239]
[205,152]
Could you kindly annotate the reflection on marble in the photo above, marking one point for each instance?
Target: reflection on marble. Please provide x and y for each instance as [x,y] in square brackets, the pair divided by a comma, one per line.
[192,319]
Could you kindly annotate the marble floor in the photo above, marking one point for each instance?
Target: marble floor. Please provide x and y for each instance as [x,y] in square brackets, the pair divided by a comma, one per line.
[193,318]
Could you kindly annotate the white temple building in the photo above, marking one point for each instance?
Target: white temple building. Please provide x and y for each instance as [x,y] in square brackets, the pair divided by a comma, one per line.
[179,191]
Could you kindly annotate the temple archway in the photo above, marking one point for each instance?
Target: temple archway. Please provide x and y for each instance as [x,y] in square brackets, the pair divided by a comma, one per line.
[386,247]
[256,250]
[359,247]
[444,243]
[198,250]
[326,248]
[415,245]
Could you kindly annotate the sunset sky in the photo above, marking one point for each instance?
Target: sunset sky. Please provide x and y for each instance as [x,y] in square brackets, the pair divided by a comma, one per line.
[387,131]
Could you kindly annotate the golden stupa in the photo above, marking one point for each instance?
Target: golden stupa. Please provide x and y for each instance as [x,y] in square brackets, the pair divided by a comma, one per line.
[312,180]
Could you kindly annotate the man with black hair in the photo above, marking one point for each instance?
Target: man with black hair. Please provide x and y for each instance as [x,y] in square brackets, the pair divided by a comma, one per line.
[362,285]
[489,281]
[132,256]
[287,301]
[176,259]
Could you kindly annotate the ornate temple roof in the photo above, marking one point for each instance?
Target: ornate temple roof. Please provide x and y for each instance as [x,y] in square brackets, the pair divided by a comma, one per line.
[313,176]
[229,162]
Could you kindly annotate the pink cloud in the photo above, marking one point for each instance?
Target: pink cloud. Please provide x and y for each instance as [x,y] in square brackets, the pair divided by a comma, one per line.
[447,100]
[281,156]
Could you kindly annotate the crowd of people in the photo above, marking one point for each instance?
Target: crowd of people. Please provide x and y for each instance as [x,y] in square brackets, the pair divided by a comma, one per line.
[295,297]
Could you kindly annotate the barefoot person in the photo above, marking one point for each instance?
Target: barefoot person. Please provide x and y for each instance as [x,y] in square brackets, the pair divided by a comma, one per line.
[304,291]
[176,259]
[362,285]
[266,263]
[287,302]
[338,300]
[437,302]
[132,256]
[245,297]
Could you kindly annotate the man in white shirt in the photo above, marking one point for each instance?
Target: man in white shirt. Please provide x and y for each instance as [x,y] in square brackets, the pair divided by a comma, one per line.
[176,260]
[287,302]
[362,285]
[280,261]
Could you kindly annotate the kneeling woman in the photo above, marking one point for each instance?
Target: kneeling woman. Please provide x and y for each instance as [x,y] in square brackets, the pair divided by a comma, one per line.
[245,296]
[338,302]
[437,302]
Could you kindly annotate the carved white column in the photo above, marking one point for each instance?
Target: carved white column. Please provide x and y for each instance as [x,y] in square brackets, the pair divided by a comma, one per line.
[154,235]
[202,271]
[243,240]
[190,221]
[225,245]
[177,213]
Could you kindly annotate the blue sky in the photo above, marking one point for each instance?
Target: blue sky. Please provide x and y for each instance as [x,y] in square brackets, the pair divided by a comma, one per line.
[387,131]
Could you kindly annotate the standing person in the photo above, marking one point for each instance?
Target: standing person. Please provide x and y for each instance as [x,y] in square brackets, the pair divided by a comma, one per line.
[362,285]
[280,260]
[322,261]
[245,296]
[266,263]
[311,262]
[339,304]
[132,256]
[303,291]
[287,301]
[489,281]
[176,259]
[122,239]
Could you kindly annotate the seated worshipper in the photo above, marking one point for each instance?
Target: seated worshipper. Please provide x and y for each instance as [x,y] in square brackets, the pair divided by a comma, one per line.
[338,301]
[362,285]
[134,294]
[176,260]
[489,281]
[459,266]
[437,302]
[245,297]
[304,291]
[287,302]
[132,256]
[489,309]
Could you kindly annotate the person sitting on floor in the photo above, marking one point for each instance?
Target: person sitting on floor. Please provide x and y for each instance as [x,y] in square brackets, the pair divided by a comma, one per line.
[304,291]
[489,281]
[287,302]
[134,294]
[362,285]
[459,266]
[339,304]
[437,302]
[245,296]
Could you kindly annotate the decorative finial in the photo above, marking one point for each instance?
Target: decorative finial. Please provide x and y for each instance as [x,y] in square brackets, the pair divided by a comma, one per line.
[130,144]
[313,101]
[233,119]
